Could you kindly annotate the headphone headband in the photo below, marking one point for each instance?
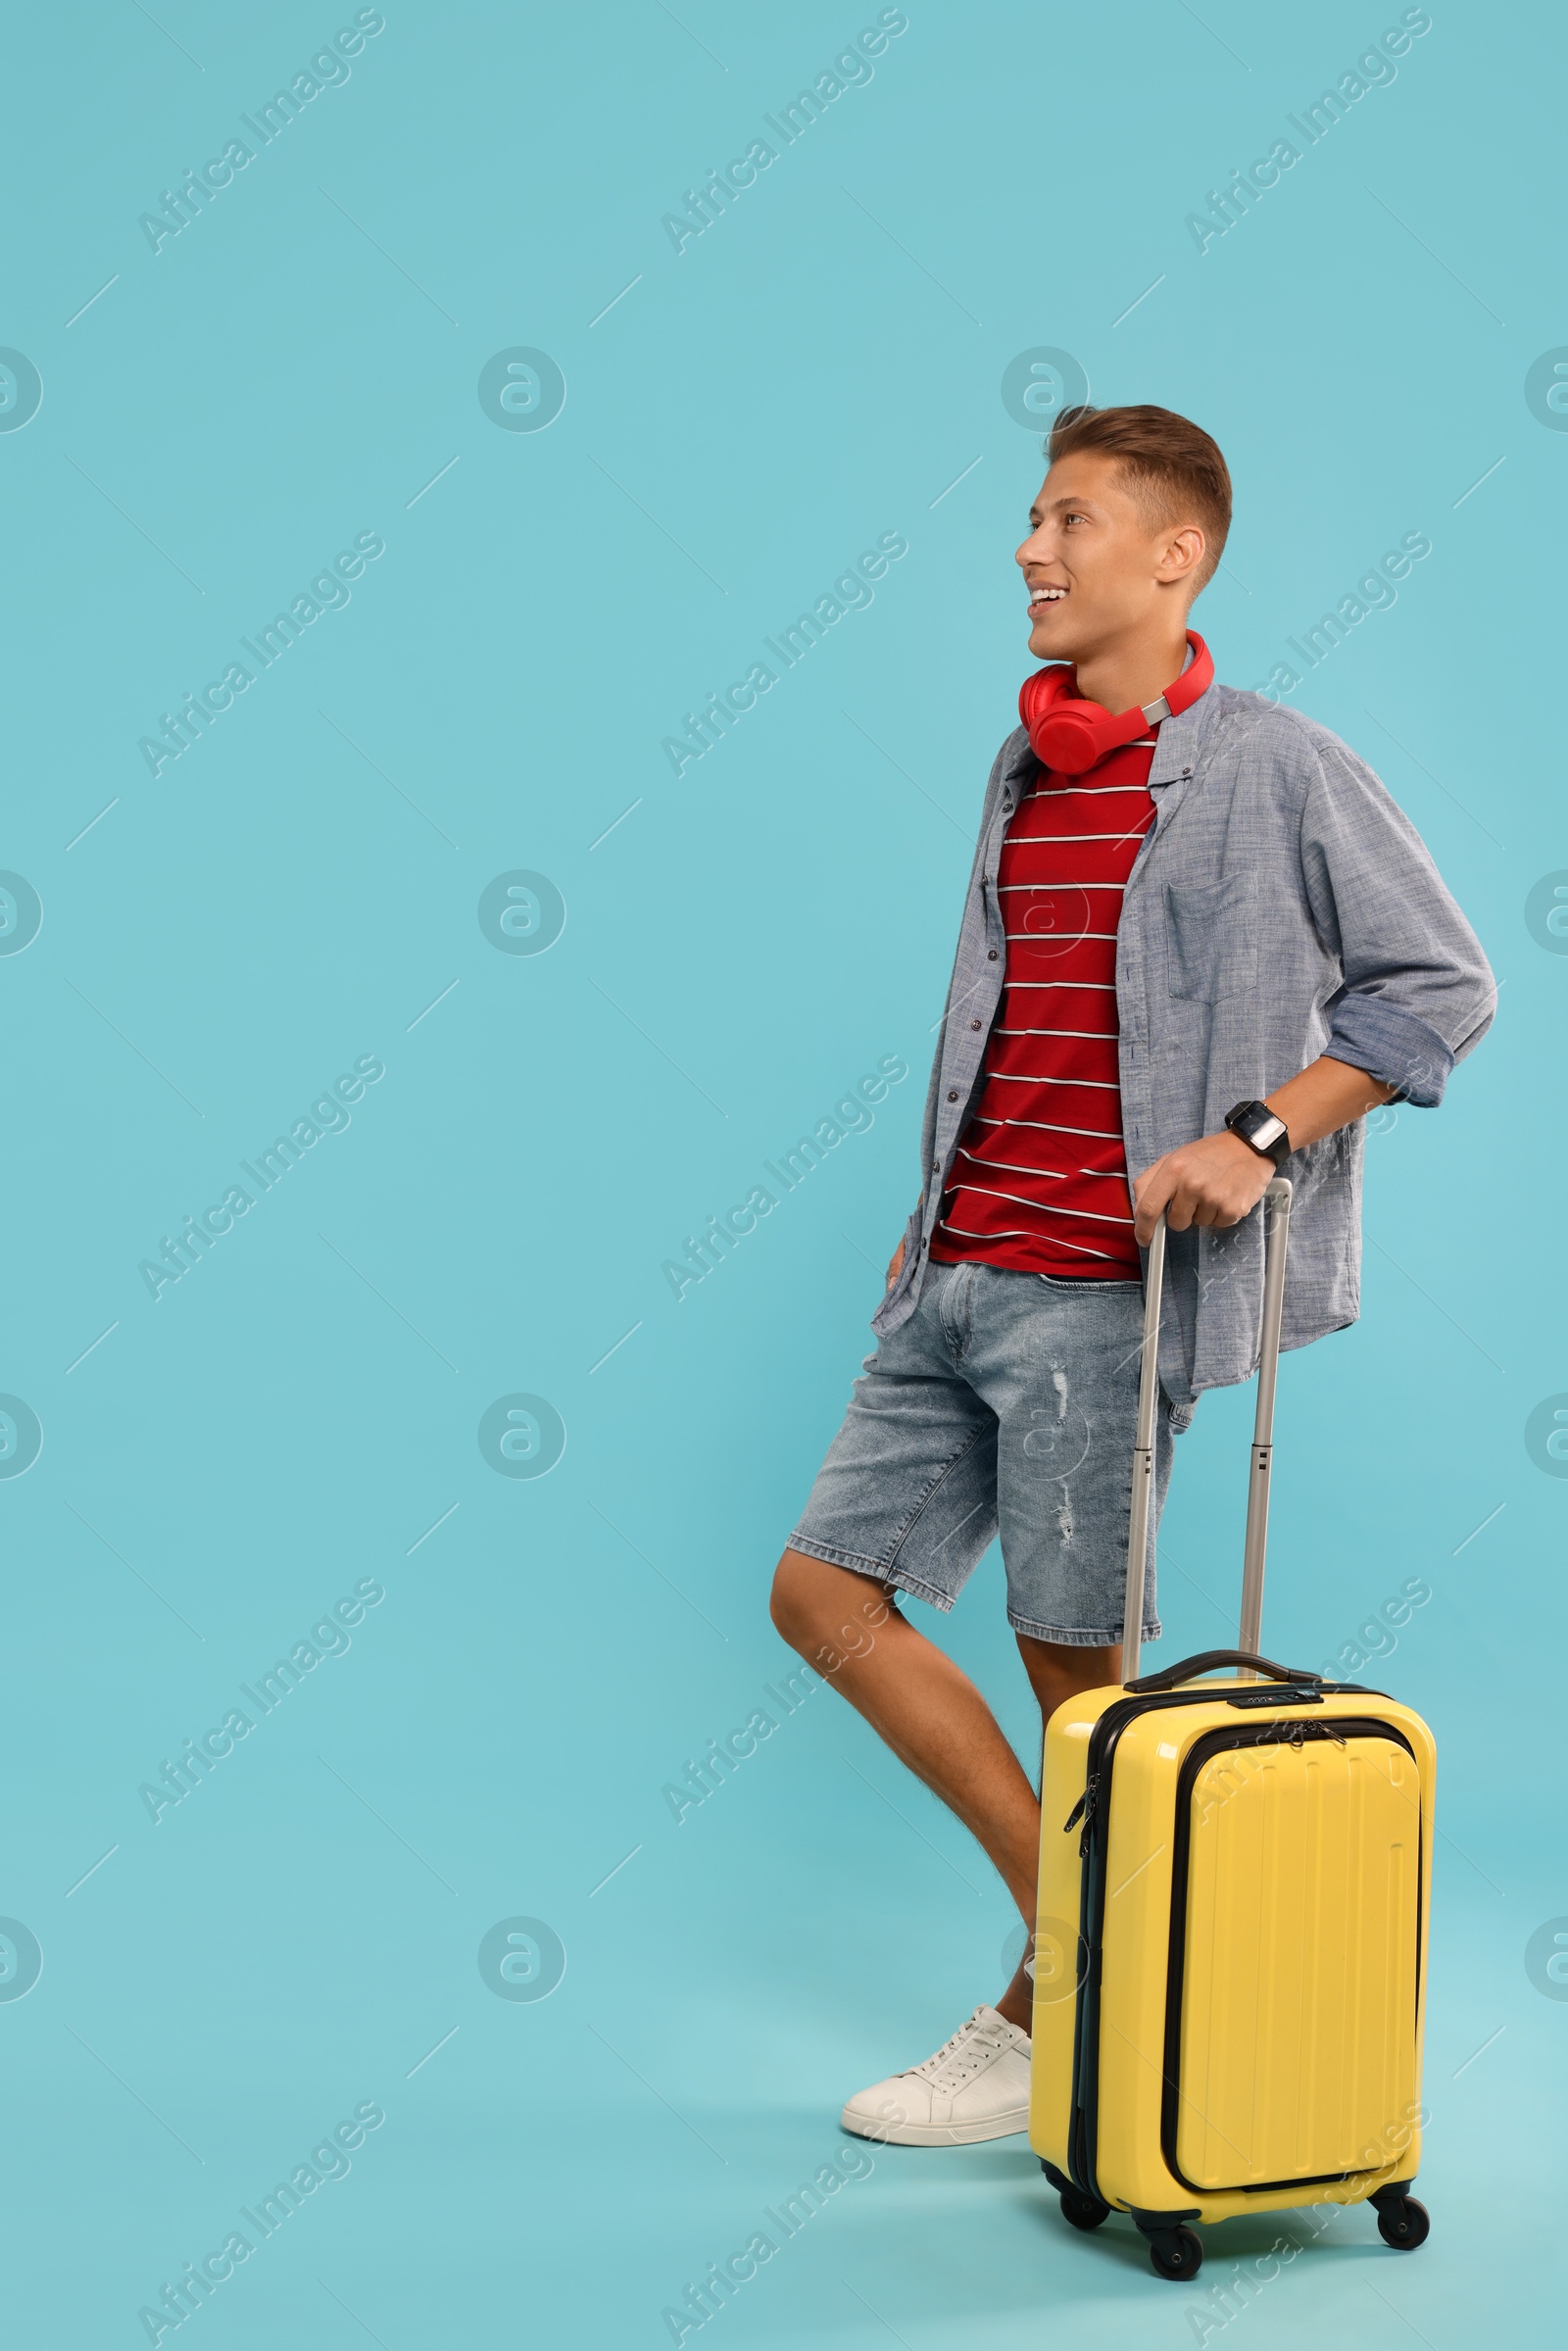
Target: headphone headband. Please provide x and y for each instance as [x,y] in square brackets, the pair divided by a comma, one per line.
[1071,734]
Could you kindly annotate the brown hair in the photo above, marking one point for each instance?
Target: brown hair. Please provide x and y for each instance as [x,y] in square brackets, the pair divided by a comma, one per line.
[1170,466]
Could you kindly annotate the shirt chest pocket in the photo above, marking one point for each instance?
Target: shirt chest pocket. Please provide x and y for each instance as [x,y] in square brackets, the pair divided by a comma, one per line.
[1212,938]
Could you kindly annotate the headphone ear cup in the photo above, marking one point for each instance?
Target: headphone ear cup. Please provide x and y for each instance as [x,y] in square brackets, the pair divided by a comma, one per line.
[1071,737]
[1064,731]
[1039,689]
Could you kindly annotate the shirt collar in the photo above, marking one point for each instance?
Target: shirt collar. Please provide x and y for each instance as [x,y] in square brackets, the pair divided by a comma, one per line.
[1182,740]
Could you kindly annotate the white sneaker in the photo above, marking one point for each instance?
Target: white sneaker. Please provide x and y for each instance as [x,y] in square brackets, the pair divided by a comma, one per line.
[976,2086]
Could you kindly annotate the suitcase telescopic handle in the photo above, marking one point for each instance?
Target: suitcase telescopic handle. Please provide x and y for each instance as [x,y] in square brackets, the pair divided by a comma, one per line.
[1276,1229]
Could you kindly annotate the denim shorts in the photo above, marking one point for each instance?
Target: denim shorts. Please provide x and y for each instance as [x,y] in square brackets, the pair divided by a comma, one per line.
[1005,1405]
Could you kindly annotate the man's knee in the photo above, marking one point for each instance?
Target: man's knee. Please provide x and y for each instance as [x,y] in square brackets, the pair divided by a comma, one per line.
[828,1614]
[798,1603]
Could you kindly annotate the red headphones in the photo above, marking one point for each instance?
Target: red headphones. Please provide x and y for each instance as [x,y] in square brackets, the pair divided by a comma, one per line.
[1070,735]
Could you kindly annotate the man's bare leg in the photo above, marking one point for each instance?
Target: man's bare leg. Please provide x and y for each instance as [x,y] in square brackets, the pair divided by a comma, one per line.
[929,1712]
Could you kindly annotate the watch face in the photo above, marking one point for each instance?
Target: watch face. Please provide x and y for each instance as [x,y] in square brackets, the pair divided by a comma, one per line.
[1259,1126]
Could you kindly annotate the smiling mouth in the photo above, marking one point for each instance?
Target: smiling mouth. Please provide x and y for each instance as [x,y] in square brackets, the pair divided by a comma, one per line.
[1041,599]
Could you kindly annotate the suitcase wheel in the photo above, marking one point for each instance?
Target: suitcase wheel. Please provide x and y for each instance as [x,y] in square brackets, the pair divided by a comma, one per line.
[1083,2212]
[1175,2252]
[1402,2223]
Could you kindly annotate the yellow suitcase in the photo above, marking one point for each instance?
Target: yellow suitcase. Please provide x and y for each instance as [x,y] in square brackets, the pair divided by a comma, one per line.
[1230,1953]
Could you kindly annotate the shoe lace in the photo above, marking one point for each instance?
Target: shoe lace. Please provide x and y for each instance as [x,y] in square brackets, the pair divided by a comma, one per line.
[972,2048]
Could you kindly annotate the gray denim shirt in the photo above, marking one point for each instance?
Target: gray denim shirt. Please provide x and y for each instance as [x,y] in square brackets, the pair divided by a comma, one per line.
[1280,906]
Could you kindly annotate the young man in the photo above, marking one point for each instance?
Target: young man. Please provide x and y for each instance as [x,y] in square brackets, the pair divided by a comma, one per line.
[1199,945]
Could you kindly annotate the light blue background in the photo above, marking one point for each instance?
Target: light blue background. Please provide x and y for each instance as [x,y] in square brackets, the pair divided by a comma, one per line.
[816,369]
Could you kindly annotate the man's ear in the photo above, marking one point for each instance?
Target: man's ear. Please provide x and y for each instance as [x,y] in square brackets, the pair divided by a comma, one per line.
[1182,554]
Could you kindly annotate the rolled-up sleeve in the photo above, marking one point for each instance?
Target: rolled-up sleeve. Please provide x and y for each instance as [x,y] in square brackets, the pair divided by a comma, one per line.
[1417,992]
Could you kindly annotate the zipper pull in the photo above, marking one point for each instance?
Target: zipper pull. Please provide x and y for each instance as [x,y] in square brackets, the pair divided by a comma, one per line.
[1084,1806]
[1084,1810]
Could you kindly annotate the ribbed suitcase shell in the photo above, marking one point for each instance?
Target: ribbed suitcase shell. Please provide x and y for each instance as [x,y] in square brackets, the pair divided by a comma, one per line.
[1229,1987]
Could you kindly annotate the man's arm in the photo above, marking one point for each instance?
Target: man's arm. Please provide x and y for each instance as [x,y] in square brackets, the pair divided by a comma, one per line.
[1417,994]
[1218,1179]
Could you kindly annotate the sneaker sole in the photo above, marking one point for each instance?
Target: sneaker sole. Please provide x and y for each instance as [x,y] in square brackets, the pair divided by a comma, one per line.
[936,2134]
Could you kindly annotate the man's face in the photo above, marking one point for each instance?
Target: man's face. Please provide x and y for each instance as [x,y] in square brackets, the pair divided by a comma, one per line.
[1095,572]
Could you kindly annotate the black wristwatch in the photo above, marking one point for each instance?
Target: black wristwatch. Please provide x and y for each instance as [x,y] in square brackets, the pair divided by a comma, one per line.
[1257,1125]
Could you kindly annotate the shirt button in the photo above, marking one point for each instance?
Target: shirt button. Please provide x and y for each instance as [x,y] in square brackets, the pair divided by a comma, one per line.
[952,1096]
[991,954]
[974,1024]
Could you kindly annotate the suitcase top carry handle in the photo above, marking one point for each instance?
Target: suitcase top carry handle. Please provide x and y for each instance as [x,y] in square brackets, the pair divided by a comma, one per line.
[1208,1661]
[1276,1227]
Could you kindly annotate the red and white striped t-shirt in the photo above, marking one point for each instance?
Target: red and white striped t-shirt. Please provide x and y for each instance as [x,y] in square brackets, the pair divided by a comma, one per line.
[1040,1182]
